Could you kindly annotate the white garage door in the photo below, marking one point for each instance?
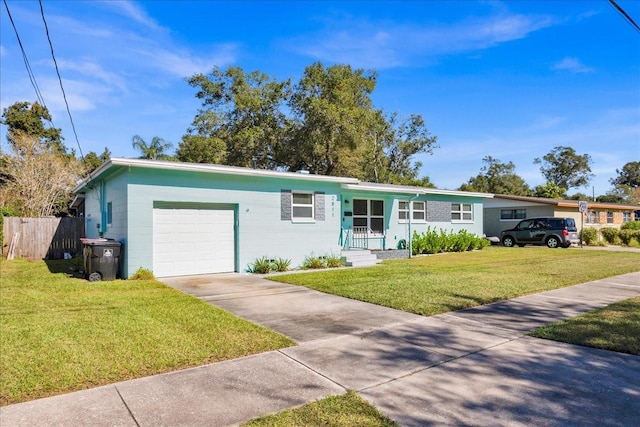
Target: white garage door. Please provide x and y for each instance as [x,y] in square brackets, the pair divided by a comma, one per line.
[193,241]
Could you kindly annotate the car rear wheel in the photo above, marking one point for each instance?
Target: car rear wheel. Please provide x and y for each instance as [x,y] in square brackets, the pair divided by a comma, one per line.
[507,241]
[553,242]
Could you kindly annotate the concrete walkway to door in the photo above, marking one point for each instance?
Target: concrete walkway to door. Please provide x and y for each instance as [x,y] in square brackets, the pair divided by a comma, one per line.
[471,367]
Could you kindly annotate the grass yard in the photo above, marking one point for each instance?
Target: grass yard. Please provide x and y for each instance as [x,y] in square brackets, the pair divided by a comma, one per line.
[344,410]
[61,334]
[615,327]
[434,284]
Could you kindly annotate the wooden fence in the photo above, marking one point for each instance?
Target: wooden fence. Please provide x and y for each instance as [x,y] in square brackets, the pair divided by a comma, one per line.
[43,238]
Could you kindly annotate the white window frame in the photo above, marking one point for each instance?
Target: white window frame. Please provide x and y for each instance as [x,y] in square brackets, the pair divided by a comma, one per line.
[403,211]
[610,217]
[626,216]
[461,212]
[370,216]
[294,205]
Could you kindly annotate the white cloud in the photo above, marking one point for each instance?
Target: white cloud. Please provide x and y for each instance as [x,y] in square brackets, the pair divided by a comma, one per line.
[383,45]
[91,69]
[132,11]
[572,65]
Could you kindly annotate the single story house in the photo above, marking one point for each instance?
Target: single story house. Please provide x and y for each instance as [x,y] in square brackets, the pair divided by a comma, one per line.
[503,212]
[185,218]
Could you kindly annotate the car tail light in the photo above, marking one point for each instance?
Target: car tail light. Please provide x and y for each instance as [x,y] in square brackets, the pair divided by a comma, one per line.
[565,233]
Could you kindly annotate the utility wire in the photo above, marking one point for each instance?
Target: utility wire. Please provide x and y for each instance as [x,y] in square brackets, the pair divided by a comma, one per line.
[624,14]
[32,77]
[64,95]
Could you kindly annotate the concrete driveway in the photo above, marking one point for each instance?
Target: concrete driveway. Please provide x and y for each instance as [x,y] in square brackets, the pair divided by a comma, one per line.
[300,313]
[471,367]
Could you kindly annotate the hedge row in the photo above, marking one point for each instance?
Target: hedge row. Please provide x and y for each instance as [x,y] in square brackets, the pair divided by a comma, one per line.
[433,242]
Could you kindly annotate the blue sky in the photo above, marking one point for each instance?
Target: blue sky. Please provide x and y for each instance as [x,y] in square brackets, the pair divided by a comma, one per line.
[507,79]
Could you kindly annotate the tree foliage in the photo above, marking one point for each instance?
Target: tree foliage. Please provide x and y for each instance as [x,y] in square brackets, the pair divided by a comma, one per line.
[41,180]
[155,150]
[326,124]
[629,175]
[37,173]
[241,122]
[93,161]
[25,118]
[550,191]
[565,168]
[498,178]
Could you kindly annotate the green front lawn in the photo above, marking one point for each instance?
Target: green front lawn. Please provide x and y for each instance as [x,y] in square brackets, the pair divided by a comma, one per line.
[345,410]
[434,284]
[61,334]
[615,327]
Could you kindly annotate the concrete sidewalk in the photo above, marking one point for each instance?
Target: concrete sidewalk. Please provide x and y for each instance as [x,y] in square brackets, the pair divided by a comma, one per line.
[473,366]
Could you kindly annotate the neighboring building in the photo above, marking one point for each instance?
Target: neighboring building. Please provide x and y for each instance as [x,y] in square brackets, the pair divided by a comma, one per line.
[186,218]
[503,211]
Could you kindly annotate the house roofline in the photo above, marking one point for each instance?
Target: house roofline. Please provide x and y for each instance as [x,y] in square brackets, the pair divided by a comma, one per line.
[405,189]
[347,183]
[565,203]
[208,168]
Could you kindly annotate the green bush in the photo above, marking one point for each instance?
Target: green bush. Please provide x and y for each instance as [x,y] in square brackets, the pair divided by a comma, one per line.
[280,264]
[142,274]
[333,261]
[610,235]
[313,262]
[589,236]
[629,237]
[261,265]
[433,242]
[631,225]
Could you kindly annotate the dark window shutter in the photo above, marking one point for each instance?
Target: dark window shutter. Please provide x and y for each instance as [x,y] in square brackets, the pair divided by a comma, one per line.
[318,205]
[285,205]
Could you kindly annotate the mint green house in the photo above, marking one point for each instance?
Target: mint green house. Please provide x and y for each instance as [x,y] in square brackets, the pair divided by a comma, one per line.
[186,219]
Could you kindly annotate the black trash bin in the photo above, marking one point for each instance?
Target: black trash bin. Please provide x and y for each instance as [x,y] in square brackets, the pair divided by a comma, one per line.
[101,259]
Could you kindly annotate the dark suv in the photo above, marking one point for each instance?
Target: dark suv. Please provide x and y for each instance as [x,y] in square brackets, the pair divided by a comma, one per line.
[553,232]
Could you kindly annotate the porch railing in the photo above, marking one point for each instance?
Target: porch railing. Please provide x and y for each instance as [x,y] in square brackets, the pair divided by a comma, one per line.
[360,238]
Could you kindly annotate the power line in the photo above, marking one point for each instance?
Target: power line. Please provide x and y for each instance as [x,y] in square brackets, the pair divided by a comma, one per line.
[64,95]
[32,77]
[624,14]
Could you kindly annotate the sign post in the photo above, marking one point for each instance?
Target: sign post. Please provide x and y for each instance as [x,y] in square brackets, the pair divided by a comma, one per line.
[582,208]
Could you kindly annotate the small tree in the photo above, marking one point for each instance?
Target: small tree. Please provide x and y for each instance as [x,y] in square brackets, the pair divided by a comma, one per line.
[156,150]
[40,179]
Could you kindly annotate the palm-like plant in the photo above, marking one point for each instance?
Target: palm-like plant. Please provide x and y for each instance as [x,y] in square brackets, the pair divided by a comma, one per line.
[153,151]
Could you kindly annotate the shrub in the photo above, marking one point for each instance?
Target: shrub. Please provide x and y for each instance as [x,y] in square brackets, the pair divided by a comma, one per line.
[627,237]
[589,236]
[142,274]
[280,264]
[333,261]
[313,262]
[261,265]
[631,225]
[432,242]
[610,234]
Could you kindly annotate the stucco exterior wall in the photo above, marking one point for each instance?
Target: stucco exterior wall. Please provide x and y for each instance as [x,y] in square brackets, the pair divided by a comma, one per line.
[260,231]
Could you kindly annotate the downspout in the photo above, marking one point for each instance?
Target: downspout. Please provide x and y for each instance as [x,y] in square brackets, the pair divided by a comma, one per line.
[410,217]
[103,210]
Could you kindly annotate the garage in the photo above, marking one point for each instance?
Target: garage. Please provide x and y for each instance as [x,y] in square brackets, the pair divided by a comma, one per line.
[193,240]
